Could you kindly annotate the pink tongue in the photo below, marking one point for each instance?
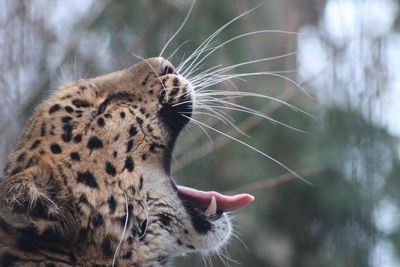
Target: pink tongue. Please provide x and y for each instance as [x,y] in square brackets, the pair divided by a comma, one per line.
[224,203]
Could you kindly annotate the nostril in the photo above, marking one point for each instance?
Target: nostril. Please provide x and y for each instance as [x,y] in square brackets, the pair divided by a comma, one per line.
[167,68]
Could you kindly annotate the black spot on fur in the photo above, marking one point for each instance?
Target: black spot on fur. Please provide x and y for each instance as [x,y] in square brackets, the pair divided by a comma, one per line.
[16,170]
[87,178]
[145,80]
[43,129]
[164,219]
[139,120]
[106,247]
[52,129]
[149,128]
[68,109]
[127,255]
[150,92]
[94,143]
[55,149]
[142,110]
[129,145]
[79,103]
[112,204]
[66,97]
[162,259]
[21,157]
[144,157]
[103,106]
[141,183]
[129,164]
[35,144]
[179,242]
[78,138]
[110,169]
[132,130]
[33,160]
[143,226]
[66,119]
[133,189]
[67,135]
[115,154]
[75,156]
[50,265]
[97,220]
[191,247]
[101,122]
[154,146]
[122,115]
[54,108]
[83,199]
[175,82]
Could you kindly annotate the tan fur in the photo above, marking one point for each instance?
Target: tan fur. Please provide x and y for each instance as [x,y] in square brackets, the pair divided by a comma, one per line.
[86,150]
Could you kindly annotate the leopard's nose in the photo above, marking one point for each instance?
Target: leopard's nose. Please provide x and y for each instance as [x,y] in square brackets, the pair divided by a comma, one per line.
[167,68]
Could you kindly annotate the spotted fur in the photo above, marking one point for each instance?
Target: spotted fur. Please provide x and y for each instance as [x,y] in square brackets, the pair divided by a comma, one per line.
[95,159]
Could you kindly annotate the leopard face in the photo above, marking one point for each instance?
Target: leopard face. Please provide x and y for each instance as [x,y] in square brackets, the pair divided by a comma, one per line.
[90,181]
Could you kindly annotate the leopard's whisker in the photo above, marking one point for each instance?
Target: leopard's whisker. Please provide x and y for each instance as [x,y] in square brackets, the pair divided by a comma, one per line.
[123,232]
[209,114]
[237,94]
[189,75]
[201,127]
[195,54]
[233,39]
[208,73]
[176,50]
[229,121]
[210,80]
[235,234]
[256,113]
[250,147]
[146,214]
[206,42]
[179,29]
[268,73]
[225,257]
[237,107]
[193,72]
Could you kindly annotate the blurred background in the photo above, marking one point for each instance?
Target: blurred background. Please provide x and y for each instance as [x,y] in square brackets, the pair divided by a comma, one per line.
[347,57]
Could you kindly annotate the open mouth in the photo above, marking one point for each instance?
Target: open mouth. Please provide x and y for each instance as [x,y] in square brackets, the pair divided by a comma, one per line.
[212,202]
[206,206]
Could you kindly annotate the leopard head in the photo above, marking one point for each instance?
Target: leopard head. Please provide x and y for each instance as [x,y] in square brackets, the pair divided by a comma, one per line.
[95,160]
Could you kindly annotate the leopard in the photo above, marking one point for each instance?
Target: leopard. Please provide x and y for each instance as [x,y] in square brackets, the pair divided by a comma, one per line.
[90,183]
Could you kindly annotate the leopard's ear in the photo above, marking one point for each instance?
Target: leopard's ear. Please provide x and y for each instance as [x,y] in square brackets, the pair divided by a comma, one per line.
[33,200]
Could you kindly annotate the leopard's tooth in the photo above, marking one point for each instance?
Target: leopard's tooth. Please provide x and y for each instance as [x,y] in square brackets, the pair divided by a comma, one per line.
[212,208]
